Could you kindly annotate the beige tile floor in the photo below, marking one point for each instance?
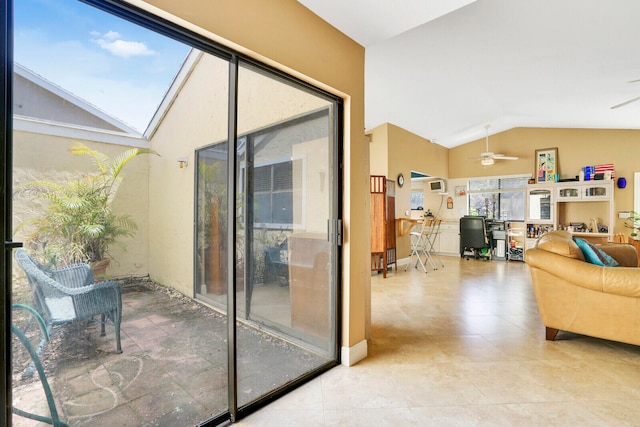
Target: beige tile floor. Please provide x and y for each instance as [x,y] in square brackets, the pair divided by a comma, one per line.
[464,346]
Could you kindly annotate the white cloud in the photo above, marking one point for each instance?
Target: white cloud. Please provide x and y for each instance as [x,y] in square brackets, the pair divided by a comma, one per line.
[112,42]
[112,35]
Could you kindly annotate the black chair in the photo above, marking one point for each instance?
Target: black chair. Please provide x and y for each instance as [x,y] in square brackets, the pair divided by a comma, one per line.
[473,237]
[275,267]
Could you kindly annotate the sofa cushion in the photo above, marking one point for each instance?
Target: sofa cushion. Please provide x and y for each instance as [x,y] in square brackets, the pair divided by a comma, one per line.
[594,255]
[560,242]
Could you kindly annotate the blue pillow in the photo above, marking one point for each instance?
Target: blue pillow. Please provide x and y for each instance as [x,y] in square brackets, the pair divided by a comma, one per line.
[595,255]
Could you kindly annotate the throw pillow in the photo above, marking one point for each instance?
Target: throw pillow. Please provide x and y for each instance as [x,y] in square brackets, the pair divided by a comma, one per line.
[595,255]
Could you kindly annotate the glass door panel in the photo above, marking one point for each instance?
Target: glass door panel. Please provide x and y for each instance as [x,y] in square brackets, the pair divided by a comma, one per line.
[83,75]
[539,205]
[286,203]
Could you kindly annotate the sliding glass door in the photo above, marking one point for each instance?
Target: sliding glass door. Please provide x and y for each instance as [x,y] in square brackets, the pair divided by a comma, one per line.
[285,217]
[225,290]
[285,152]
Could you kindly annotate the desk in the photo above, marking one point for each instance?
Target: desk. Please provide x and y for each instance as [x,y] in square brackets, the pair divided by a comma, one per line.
[404,225]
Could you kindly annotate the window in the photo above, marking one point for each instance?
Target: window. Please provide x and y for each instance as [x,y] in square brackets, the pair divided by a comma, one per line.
[499,198]
[273,186]
[417,200]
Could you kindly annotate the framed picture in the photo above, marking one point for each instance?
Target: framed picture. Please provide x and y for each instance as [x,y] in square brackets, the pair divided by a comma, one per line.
[546,164]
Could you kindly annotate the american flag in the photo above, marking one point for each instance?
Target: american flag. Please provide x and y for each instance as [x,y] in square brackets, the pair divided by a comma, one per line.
[605,168]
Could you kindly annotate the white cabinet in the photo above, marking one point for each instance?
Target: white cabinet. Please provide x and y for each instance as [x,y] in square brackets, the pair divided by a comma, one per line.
[569,193]
[598,191]
[449,239]
[584,191]
[541,211]
[540,204]
[575,205]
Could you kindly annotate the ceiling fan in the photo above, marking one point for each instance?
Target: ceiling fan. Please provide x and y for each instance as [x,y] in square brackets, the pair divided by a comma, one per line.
[629,101]
[488,158]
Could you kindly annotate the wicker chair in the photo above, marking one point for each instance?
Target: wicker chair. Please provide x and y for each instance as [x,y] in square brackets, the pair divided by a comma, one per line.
[69,294]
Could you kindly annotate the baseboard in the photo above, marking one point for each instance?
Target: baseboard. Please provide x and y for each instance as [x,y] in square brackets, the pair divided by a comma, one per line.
[403,261]
[352,355]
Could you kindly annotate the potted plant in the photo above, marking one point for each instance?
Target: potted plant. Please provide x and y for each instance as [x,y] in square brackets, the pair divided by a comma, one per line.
[77,223]
[212,230]
[633,222]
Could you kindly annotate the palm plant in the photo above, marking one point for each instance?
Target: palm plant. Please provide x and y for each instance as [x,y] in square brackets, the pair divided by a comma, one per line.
[78,223]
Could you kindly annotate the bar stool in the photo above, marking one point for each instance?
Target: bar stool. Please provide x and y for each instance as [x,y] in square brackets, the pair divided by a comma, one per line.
[431,240]
[419,243]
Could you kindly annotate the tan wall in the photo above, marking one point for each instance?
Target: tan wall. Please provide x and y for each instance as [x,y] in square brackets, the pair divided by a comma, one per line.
[38,156]
[291,37]
[395,150]
[313,198]
[463,163]
[576,148]
[379,151]
[183,129]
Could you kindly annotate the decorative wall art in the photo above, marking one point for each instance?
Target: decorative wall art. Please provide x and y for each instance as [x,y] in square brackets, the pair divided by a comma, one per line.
[546,164]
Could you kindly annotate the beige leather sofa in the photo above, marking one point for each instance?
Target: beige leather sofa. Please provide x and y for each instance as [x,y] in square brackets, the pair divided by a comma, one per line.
[576,296]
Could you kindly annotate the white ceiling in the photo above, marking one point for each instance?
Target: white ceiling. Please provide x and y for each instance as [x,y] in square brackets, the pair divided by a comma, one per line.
[445,72]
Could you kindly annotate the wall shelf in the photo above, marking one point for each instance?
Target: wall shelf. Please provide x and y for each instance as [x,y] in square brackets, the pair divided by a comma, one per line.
[560,205]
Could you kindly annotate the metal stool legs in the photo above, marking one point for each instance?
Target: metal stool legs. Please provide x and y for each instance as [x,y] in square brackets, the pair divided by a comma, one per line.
[418,246]
[431,239]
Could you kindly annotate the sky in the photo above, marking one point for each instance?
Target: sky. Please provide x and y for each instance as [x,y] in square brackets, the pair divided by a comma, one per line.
[121,68]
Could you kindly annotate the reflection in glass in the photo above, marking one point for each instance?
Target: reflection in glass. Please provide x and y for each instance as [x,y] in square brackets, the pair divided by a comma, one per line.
[286,197]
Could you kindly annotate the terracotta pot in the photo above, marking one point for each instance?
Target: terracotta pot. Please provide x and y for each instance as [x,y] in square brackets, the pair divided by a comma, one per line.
[100,269]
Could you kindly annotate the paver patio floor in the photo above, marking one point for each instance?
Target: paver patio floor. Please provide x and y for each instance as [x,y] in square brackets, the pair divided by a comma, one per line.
[172,372]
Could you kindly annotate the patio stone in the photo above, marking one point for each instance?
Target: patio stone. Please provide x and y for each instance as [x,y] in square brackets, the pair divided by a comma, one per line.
[121,416]
[173,369]
[30,398]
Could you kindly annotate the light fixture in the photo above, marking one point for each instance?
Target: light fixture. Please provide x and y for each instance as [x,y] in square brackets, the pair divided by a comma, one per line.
[487,161]
[182,162]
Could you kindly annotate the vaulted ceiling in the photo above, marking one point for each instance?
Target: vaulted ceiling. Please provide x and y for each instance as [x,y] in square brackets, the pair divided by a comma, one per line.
[445,72]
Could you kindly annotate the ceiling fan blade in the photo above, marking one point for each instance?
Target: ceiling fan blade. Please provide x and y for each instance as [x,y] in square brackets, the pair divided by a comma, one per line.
[503,157]
[626,102]
[488,158]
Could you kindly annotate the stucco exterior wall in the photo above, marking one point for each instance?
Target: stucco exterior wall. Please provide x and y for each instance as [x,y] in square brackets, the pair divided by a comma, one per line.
[39,156]
[197,118]
[36,102]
